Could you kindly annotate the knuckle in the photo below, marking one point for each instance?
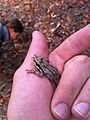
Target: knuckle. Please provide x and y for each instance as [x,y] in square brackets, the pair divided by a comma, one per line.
[80,59]
[71,92]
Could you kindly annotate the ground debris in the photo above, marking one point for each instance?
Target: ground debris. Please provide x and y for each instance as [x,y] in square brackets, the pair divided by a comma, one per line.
[57,19]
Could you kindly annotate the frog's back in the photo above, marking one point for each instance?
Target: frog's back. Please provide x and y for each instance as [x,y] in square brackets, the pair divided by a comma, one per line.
[52,74]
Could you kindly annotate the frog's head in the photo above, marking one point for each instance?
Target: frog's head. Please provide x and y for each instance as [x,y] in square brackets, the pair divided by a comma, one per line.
[37,60]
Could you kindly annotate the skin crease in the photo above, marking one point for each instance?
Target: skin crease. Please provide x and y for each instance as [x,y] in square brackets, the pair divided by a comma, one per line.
[29,93]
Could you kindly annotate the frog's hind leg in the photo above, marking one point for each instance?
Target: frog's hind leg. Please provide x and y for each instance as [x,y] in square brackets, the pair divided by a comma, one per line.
[35,71]
[30,71]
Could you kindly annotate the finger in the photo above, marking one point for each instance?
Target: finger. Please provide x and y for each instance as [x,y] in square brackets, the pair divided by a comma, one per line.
[81,106]
[75,44]
[38,47]
[32,90]
[74,76]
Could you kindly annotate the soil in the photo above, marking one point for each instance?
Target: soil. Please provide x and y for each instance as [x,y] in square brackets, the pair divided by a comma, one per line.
[57,19]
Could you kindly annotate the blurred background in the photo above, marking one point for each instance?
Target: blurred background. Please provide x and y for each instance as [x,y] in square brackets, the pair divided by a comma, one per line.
[56,19]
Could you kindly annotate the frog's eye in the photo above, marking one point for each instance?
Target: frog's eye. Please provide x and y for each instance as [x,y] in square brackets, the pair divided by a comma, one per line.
[34,60]
[41,59]
[37,61]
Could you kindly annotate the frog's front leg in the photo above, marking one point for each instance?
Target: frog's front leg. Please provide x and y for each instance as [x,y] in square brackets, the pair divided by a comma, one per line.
[35,71]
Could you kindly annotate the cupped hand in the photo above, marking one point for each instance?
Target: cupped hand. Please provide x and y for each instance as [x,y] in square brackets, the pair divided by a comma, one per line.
[71,99]
[31,95]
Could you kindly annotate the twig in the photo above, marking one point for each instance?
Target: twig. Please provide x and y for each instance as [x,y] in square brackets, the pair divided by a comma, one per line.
[4,83]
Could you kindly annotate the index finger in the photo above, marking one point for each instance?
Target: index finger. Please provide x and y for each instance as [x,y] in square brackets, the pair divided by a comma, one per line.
[75,44]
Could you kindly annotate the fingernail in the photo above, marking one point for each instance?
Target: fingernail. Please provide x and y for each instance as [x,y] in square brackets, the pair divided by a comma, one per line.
[61,110]
[82,109]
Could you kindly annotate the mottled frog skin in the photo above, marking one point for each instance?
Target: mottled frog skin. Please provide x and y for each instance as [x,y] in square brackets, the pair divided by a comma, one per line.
[44,68]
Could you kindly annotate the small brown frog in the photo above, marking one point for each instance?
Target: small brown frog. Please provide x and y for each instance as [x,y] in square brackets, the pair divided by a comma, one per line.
[44,68]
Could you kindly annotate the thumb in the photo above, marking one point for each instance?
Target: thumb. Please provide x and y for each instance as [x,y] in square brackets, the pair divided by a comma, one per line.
[38,46]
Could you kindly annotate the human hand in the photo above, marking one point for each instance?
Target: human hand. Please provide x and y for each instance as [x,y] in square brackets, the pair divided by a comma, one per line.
[31,95]
[72,94]
[71,99]
[33,87]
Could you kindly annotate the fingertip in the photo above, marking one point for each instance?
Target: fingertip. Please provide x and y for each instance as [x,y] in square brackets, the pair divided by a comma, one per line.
[35,33]
[81,110]
[61,111]
[38,35]
[39,43]
[37,47]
